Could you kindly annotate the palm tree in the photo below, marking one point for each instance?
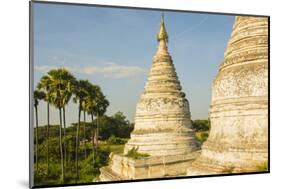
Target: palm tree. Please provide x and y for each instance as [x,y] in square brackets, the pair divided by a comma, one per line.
[45,84]
[96,105]
[68,81]
[91,108]
[37,95]
[80,91]
[102,104]
[84,133]
[62,83]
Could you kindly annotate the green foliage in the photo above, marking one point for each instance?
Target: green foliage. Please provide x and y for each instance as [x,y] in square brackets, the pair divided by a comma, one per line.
[263,167]
[201,125]
[38,95]
[116,125]
[134,154]
[202,135]
[201,128]
[116,148]
[61,86]
[116,140]
[88,168]
[89,127]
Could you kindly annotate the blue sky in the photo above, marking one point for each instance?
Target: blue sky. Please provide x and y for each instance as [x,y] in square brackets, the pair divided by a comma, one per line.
[113,48]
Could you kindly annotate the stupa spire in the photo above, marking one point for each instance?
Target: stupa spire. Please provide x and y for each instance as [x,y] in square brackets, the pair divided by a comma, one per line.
[162,38]
[162,35]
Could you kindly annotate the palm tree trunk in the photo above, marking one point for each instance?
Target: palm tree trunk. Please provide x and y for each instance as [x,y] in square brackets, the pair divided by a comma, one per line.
[97,134]
[85,150]
[36,151]
[93,142]
[48,135]
[61,149]
[77,143]
[64,135]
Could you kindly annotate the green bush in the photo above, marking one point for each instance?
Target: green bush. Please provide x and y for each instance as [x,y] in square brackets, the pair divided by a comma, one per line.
[89,168]
[202,136]
[134,154]
[116,140]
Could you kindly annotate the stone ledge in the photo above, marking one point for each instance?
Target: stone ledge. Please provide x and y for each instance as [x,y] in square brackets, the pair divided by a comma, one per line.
[150,167]
[108,175]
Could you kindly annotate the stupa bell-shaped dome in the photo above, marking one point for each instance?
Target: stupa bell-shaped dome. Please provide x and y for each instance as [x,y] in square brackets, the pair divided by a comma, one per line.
[238,139]
[162,120]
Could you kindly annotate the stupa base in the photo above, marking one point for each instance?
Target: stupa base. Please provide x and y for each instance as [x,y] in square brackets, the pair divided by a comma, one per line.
[125,168]
[206,166]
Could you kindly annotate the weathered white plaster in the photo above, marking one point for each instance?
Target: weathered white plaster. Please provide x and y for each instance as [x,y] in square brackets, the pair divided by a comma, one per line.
[238,140]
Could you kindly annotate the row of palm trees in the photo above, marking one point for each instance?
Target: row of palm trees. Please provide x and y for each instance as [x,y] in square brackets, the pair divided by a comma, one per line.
[57,88]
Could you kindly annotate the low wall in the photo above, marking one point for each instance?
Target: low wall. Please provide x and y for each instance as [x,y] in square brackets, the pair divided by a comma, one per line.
[124,168]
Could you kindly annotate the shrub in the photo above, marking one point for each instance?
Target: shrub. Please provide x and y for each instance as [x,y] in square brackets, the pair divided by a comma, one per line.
[116,140]
[134,154]
[202,136]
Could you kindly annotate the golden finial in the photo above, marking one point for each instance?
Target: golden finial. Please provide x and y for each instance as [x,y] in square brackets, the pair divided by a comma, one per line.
[162,35]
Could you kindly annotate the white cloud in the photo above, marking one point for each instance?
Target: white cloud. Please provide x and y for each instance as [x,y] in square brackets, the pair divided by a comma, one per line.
[46,68]
[43,68]
[113,70]
[109,70]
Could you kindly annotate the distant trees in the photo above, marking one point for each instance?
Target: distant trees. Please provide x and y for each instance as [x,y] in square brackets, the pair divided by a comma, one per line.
[201,125]
[116,125]
[201,128]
